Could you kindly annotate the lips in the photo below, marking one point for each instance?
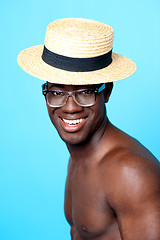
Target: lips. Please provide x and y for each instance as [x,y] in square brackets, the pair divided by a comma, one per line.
[72,125]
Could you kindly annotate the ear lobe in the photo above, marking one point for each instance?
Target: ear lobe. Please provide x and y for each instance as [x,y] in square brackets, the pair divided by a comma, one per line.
[107,91]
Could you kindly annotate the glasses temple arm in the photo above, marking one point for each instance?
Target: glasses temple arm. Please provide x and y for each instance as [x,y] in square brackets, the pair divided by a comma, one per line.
[43,86]
[101,88]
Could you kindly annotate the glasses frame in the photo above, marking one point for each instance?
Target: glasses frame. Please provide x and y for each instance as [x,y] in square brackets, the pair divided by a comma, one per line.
[71,94]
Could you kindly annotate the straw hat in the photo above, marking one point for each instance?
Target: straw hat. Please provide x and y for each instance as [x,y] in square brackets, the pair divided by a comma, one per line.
[76,51]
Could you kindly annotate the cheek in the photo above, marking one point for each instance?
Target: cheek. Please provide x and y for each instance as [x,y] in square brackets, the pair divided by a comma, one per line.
[97,117]
[51,114]
[99,111]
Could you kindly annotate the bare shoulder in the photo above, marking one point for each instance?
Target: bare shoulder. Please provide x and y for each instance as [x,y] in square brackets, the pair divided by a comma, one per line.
[128,153]
[131,177]
[135,171]
[132,173]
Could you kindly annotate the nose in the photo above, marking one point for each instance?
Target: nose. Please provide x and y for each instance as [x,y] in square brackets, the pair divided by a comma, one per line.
[71,106]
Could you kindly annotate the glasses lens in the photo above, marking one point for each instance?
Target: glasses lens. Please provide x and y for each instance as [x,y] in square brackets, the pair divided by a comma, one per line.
[85,98]
[56,98]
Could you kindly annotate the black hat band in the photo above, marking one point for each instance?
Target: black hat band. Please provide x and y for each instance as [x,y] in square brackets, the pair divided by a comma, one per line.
[76,64]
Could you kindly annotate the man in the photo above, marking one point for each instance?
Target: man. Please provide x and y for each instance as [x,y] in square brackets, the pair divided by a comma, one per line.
[113,184]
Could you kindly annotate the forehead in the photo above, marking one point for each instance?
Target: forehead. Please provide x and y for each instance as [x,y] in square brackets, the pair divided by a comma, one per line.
[71,87]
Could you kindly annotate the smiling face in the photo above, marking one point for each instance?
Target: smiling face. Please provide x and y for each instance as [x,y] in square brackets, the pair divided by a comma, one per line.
[75,124]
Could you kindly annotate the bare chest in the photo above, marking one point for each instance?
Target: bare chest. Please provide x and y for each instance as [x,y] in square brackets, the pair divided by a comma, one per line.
[86,205]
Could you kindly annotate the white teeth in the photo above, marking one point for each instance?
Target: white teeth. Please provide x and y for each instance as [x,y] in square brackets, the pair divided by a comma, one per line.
[73,122]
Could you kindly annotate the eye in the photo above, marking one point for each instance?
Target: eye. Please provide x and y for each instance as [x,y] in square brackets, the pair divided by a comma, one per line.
[57,93]
[87,92]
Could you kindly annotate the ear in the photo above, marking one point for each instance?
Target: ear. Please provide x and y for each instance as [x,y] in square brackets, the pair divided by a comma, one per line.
[107,91]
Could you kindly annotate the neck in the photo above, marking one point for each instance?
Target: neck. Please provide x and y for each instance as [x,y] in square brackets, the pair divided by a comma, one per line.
[87,150]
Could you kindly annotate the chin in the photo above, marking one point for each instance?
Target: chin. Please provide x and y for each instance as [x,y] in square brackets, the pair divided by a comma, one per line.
[71,138]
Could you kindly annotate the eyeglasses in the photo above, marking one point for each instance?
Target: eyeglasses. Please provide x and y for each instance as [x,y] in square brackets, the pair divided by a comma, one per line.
[82,97]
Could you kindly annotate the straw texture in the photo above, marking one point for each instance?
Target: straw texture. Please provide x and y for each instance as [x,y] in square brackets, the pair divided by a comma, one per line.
[78,38]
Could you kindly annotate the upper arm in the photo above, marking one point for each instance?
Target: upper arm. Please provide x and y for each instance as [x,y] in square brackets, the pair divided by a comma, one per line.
[136,200]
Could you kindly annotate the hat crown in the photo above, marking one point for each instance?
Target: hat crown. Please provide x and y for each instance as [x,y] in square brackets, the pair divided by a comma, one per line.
[79,38]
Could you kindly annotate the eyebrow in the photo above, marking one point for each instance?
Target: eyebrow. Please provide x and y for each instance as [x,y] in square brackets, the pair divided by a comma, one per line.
[56,85]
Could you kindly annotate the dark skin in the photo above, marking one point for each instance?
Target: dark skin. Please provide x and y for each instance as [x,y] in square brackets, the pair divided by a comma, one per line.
[113,183]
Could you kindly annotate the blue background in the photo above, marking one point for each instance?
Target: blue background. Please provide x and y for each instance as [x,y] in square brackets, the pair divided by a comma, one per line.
[33,159]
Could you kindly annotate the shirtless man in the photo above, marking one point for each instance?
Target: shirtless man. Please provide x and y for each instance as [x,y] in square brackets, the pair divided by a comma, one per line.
[113,183]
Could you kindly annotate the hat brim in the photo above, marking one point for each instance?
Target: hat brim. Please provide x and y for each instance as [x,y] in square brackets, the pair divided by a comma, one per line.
[30,60]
